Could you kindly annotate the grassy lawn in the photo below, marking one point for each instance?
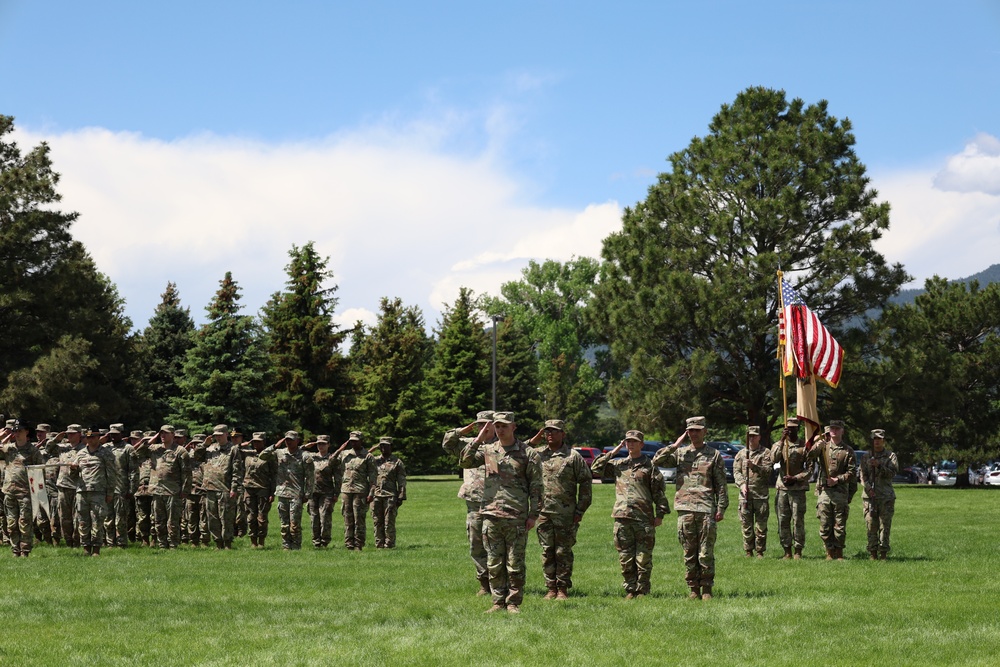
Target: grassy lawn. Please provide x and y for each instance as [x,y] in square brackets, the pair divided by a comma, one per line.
[933,603]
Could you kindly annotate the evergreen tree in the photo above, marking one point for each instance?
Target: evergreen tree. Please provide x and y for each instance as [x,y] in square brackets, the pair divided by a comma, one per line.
[311,386]
[517,376]
[227,370]
[390,359]
[165,343]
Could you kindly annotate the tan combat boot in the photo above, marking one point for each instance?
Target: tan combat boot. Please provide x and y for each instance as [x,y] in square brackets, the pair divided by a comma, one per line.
[840,554]
[788,554]
[561,594]
[695,593]
[550,594]
[495,608]
[797,555]
[829,554]
[706,592]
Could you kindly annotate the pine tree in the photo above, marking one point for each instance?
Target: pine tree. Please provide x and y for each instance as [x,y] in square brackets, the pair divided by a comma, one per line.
[227,371]
[165,343]
[311,385]
[517,376]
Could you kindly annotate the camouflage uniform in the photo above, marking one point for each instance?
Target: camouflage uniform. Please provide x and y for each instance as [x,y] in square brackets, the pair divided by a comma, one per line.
[17,494]
[877,471]
[144,502]
[48,525]
[169,482]
[566,495]
[471,492]
[752,474]
[640,499]
[67,481]
[356,469]
[790,499]
[96,482]
[116,525]
[222,487]
[294,480]
[194,528]
[512,494]
[701,494]
[833,505]
[258,486]
[326,488]
[390,491]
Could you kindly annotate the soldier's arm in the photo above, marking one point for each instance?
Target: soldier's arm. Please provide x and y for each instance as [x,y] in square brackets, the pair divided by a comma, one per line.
[852,467]
[891,466]
[584,486]
[452,442]
[658,490]
[114,477]
[310,473]
[372,475]
[600,463]
[721,490]
[534,472]
[471,456]
[268,454]
[739,463]
[400,481]
[666,457]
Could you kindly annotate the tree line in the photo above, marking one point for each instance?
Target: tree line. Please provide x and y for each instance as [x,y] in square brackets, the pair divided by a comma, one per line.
[678,317]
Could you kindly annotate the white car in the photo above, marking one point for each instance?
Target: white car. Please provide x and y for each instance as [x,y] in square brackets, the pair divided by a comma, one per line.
[992,478]
[945,474]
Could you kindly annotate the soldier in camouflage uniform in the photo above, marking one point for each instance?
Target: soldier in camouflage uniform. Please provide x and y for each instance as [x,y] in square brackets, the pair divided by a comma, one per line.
[144,496]
[96,483]
[389,494]
[326,489]
[240,527]
[43,523]
[878,467]
[837,470]
[116,524]
[194,525]
[294,484]
[131,519]
[258,485]
[356,469]
[5,432]
[67,481]
[221,483]
[794,470]
[169,483]
[471,492]
[640,505]
[701,502]
[512,495]
[19,454]
[566,495]
[752,473]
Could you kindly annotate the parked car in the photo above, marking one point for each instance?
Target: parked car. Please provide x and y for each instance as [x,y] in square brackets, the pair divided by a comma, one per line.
[588,454]
[906,476]
[944,474]
[992,476]
[727,459]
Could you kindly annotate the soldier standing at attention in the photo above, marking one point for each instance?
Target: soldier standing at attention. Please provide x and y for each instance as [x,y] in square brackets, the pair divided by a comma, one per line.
[43,521]
[837,469]
[566,495]
[512,495]
[471,492]
[19,454]
[169,483]
[326,489]
[221,483]
[878,467]
[752,473]
[258,484]
[790,489]
[116,525]
[640,505]
[389,494]
[701,502]
[240,513]
[133,438]
[293,486]
[143,495]
[194,527]
[66,485]
[356,468]
[98,477]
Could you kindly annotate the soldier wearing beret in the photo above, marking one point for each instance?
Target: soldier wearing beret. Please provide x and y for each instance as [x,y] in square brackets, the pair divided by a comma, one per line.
[566,495]
[878,467]
[388,495]
[752,474]
[701,501]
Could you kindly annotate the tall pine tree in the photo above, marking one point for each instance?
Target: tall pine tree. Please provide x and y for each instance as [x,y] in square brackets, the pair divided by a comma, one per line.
[311,383]
[165,344]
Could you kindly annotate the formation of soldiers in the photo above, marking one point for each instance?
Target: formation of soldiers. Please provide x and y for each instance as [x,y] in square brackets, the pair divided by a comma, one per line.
[162,489]
[510,486]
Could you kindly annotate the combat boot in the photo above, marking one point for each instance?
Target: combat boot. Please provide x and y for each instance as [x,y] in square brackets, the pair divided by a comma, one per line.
[88,551]
[695,593]
[748,553]
[496,607]
[484,589]
[830,553]
[840,554]
[561,594]
[706,592]
[96,551]
[630,595]
[760,554]
[884,555]
[797,555]
[872,555]
[788,554]
[550,594]
[513,609]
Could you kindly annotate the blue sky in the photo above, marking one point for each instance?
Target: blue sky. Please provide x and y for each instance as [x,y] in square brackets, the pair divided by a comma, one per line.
[425,146]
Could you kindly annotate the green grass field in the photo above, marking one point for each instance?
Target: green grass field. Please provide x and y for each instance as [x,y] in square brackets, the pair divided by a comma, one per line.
[934,603]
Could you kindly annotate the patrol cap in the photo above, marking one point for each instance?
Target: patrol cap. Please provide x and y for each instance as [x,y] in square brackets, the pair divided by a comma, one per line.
[555,424]
[167,428]
[74,428]
[258,436]
[43,427]
[199,436]
[837,423]
[695,423]
[220,429]
[50,435]
[292,435]
[181,433]
[635,435]
[878,433]
[323,438]
[484,416]
[503,417]
[753,430]
[792,423]
[385,440]
[148,434]
[116,429]
[135,434]
[357,436]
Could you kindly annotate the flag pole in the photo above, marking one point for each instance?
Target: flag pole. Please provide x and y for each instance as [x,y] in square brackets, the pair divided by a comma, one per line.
[781,354]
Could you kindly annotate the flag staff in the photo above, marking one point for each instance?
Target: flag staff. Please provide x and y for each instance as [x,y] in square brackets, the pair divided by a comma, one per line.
[781,351]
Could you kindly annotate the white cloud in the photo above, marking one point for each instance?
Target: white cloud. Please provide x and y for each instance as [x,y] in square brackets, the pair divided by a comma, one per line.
[397,214]
[952,232]
[975,169]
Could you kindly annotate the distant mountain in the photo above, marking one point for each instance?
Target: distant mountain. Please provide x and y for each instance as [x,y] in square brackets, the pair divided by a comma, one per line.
[985,277]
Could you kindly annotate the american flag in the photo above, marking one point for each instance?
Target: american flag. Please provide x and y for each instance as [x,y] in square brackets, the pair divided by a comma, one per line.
[808,347]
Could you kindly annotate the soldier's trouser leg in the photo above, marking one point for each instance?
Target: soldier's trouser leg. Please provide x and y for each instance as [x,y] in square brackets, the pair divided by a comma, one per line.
[696,532]
[321,516]
[761,511]
[746,514]
[557,540]
[215,509]
[229,518]
[206,535]
[355,511]
[825,514]
[57,533]
[159,515]
[92,510]
[379,507]
[634,541]
[19,523]
[477,551]
[258,509]
[131,520]
[192,511]
[144,518]
[66,512]
[240,512]
[290,513]
[116,526]
[840,513]
[43,526]
[505,541]
[878,521]
[3,519]
[791,510]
